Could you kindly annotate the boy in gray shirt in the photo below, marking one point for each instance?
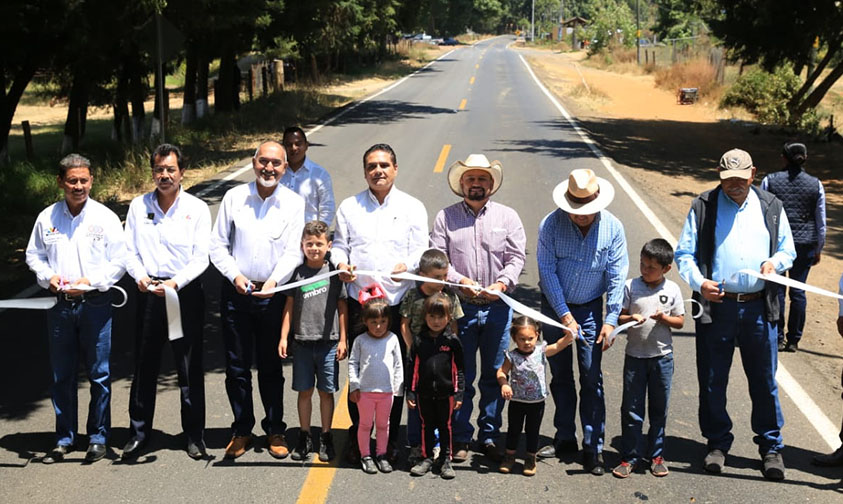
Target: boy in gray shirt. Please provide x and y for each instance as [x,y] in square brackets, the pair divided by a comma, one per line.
[657,304]
[316,316]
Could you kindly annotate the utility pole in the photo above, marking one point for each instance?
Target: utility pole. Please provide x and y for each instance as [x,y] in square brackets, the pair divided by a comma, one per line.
[160,65]
[638,29]
[533,23]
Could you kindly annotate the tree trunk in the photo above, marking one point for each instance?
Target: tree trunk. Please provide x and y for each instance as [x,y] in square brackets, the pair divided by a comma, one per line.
[77,112]
[833,48]
[223,99]
[188,108]
[819,92]
[137,94]
[201,84]
[9,103]
[121,129]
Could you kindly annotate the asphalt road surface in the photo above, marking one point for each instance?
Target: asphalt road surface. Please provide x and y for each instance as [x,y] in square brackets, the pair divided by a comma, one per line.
[475,99]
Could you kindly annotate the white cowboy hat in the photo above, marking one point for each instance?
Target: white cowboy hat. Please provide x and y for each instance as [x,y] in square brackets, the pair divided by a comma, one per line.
[475,162]
[581,185]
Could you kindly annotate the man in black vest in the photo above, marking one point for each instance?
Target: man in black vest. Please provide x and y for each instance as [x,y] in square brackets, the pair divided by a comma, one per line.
[804,203]
[731,228]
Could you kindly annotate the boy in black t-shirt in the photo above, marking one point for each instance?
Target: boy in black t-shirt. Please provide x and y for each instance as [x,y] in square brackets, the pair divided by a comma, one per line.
[316,315]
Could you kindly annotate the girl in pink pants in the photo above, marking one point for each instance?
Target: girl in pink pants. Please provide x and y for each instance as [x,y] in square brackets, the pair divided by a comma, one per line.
[375,375]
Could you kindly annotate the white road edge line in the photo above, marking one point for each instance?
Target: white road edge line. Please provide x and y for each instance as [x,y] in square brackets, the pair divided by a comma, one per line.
[826,429]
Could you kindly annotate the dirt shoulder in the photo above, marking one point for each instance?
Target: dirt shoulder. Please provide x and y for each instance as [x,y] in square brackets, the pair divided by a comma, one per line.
[671,150]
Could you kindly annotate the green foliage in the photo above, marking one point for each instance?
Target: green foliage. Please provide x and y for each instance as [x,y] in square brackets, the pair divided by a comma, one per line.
[612,23]
[679,18]
[764,94]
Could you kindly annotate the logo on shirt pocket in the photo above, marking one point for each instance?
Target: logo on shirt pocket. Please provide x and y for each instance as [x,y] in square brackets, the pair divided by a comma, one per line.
[95,233]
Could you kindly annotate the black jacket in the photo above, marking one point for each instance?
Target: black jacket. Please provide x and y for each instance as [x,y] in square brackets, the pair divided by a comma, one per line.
[435,367]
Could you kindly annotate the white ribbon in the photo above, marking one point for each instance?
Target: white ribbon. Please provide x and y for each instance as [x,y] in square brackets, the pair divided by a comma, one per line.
[789,282]
[45,303]
[173,308]
[623,327]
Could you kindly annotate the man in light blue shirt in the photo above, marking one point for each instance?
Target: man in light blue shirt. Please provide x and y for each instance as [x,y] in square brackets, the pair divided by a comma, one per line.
[581,255]
[730,228]
[307,179]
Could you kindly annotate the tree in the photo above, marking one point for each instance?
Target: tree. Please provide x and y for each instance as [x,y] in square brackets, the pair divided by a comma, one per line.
[612,22]
[773,32]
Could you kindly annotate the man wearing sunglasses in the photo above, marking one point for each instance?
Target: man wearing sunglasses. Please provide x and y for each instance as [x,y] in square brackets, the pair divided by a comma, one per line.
[255,245]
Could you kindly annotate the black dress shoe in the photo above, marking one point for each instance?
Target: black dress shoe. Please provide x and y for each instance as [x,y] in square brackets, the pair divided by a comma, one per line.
[95,452]
[558,449]
[132,448]
[593,463]
[196,451]
[791,346]
[57,454]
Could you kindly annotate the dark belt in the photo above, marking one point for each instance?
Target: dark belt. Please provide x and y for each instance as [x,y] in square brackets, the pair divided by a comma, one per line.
[743,297]
[476,301]
[257,285]
[63,296]
[160,279]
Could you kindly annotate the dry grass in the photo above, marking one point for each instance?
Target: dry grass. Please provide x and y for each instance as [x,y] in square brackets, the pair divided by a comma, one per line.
[696,73]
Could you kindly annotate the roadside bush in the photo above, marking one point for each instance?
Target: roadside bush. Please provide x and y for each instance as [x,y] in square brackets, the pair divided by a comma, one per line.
[764,94]
[696,73]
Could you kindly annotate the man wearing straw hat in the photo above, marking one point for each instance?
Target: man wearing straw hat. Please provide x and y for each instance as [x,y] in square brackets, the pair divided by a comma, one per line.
[485,242]
[582,256]
[728,229]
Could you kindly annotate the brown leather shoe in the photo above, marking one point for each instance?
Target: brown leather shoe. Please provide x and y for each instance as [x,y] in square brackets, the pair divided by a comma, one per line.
[237,446]
[278,446]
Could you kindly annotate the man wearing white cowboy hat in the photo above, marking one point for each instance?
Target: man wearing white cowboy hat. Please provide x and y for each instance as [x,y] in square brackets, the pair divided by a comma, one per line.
[582,256]
[485,242]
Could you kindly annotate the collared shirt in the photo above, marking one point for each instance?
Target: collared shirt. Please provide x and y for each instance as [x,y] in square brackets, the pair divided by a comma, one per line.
[90,245]
[376,237]
[258,238]
[741,241]
[313,183]
[819,214]
[840,301]
[488,247]
[168,245]
[577,269]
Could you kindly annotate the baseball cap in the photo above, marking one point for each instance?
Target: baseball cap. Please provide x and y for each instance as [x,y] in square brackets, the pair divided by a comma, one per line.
[736,163]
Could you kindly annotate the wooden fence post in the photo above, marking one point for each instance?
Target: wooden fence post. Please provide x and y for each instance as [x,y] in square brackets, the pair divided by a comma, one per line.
[27,139]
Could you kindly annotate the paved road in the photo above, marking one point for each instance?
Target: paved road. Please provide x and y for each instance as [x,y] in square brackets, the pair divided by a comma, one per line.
[505,116]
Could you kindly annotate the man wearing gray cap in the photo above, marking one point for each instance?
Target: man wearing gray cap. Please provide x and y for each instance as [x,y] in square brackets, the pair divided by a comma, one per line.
[731,228]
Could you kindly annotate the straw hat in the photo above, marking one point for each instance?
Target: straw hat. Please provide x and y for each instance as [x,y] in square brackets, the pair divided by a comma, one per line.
[573,195]
[475,162]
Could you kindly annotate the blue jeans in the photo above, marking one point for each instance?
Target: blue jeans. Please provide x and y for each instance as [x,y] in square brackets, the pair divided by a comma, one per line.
[805,254]
[81,330]
[562,388]
[252,327]
[645,378]
[744,325]
[484,328]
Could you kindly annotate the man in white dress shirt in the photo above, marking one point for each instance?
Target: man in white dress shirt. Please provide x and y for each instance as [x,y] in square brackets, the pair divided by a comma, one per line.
[379,229]
[75,243]
[308,179]
[255,246]
[167,234]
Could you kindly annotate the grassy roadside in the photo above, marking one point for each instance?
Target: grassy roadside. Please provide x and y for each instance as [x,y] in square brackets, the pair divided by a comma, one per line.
[210,145]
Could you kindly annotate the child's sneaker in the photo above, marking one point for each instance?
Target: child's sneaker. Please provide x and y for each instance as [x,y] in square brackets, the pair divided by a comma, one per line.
[530,465]
[623,470]
[368,464]
[658,467]
[422,467]
[304,447]
[326,447]
[383,464]
[507,463]
[447,471]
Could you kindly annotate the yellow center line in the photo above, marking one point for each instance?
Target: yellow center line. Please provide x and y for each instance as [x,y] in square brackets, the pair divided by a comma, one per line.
[471,81]
[477,66]
[321,474]
[462,104]
[443,156]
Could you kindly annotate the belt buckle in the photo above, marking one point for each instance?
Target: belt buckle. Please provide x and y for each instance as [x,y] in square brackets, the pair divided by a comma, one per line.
[71,299]
[740,297]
